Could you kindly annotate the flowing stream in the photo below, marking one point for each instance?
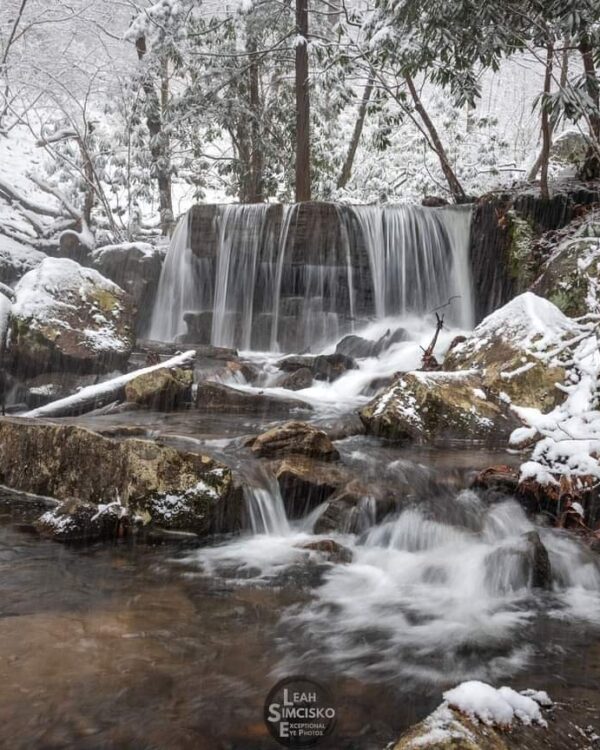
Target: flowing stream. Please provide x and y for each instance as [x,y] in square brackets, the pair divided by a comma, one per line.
[177,645]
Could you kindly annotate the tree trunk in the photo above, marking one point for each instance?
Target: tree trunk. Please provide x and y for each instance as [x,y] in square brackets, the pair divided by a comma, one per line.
[591,168]
[256,160]
[564,74]
[158,141]
[3,65]
[356,134]
[303,186]
[546,127]
[455,187]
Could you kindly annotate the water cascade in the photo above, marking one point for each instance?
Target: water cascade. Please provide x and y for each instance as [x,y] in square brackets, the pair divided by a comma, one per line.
[288,278]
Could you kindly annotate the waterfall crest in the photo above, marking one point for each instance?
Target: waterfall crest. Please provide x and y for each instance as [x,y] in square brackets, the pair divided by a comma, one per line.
[289,278]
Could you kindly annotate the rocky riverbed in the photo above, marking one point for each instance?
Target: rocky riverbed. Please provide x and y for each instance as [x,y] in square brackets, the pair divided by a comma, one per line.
[397,512]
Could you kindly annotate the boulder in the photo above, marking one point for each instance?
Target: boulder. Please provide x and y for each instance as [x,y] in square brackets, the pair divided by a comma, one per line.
[569,150]
[135,267]
[305,483]
[448,729]
[155,483]
[330,367]
[430,407]
[67,317]
[16,259]
[163,389]
[217,397]
[507,348]
[294,437]
[571,277]
[296,381]
[331,550]
[74,521]
[356,347]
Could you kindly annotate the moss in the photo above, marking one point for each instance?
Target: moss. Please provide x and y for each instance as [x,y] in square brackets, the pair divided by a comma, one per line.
[106,300]
[520,261]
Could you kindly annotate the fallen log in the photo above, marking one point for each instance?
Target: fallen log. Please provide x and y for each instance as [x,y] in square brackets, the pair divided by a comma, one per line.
[95,396]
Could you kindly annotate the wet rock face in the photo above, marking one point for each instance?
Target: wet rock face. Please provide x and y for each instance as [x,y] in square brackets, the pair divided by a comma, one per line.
[156,483]
[305,483]
[294,437]
[163,389]
[135,267]
[541,570]
[215,397]
[296,381]
[431,407]
[332,366]
[71,318]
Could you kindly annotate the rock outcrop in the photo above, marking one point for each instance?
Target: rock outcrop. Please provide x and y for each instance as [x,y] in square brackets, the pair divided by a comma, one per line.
[67,317]
[154,483]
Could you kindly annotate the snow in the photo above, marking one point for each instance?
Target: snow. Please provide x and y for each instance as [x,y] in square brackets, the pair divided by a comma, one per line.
[145,249]
[17,257]
[109,386]
[527,322]
[568,436]
[494,707]
[442,726]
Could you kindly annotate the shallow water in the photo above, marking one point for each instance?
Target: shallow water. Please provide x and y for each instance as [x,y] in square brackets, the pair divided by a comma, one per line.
[129,646]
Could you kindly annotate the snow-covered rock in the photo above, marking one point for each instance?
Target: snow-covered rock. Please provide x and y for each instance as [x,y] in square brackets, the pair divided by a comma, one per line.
[135,267]
[16,259]
[470,716]
[515,349]
[432,406]
[69,317]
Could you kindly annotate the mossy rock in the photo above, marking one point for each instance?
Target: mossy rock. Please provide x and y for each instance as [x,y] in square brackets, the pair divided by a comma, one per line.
[432,407]
[67,317]
[162,389]
[67,463]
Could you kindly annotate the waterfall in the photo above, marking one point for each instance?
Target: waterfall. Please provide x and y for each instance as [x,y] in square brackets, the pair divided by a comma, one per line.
[289,278]
[266,509]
